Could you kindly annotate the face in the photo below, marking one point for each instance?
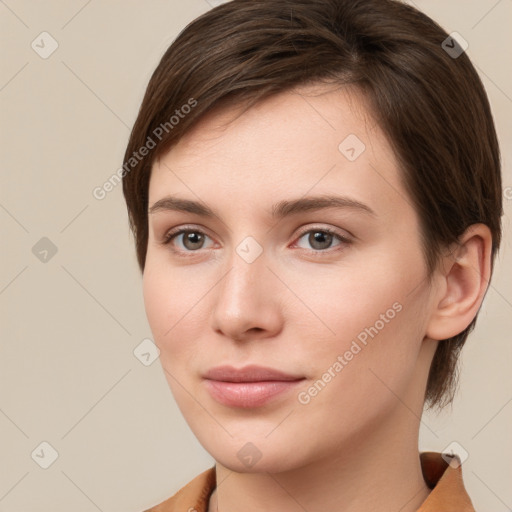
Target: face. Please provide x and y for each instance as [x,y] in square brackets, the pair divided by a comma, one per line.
[261,272]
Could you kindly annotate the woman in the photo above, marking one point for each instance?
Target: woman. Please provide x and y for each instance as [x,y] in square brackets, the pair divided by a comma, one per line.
[314,189]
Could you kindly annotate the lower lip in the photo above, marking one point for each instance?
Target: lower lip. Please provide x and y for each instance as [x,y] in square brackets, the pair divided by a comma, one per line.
[248,394]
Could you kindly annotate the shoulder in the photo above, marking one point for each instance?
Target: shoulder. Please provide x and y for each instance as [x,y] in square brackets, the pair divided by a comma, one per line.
[443,474]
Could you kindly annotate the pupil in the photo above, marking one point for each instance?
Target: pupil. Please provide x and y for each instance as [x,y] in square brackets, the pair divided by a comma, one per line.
[320,237]
[193,238]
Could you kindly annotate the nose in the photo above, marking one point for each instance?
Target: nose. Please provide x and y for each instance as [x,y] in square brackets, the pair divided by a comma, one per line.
[247,304]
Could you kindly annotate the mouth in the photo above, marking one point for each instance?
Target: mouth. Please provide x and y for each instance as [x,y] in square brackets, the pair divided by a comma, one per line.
[248,387]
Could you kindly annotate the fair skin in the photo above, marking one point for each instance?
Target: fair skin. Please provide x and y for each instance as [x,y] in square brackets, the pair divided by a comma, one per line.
[301,303]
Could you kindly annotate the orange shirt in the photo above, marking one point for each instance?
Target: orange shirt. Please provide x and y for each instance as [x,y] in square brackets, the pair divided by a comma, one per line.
[448,493]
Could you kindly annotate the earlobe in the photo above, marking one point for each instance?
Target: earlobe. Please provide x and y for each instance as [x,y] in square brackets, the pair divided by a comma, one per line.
[465,275]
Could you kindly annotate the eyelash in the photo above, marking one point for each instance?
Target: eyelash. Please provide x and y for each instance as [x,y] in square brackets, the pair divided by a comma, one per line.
[175,233]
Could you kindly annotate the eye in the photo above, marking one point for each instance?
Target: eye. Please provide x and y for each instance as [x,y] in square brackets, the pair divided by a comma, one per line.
[321,239]
[191,239]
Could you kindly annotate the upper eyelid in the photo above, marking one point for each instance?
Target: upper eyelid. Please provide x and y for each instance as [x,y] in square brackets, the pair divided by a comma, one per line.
[175,232]
[332,230]
[181,229]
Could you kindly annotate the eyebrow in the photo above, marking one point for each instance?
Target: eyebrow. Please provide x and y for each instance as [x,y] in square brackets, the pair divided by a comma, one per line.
[279,210]
[285,208]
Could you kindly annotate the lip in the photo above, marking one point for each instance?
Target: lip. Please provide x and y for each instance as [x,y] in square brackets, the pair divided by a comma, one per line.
[251,373]
[251,386]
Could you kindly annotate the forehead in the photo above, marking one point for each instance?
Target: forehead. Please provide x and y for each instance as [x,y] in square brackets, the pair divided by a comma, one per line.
[313,138]
[303,113]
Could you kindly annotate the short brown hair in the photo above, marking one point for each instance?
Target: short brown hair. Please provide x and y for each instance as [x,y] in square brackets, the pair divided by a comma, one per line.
[430,103]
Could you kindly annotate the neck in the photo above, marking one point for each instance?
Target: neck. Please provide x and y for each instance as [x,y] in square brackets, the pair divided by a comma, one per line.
[378,473]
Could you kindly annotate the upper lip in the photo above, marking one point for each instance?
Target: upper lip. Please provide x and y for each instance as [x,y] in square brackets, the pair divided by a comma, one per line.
[251,373]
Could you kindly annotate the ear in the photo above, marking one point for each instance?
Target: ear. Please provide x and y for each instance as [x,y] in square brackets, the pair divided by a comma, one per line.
[463,277]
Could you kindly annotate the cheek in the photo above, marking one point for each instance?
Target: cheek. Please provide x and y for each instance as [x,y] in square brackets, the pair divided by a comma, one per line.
[174,301]
[343,302]
[161,302]
[156,299]
[166,291]
[373,317]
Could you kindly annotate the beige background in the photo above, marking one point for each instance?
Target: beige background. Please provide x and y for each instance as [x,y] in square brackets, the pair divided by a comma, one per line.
[70,324]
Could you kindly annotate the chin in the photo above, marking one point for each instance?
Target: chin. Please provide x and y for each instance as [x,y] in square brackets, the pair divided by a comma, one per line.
[247,457]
